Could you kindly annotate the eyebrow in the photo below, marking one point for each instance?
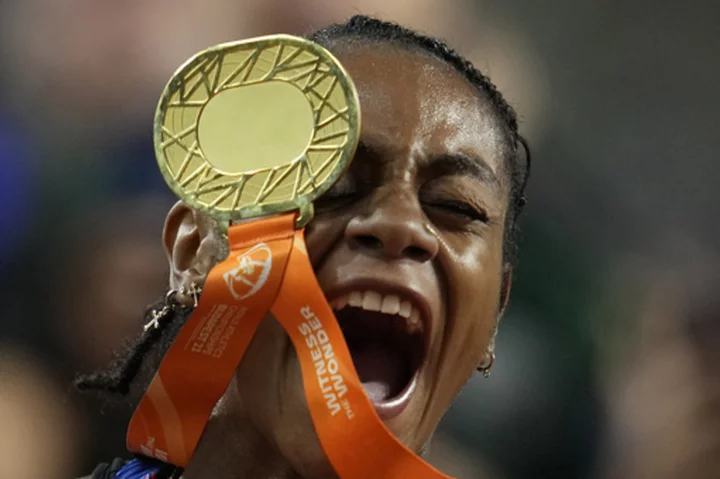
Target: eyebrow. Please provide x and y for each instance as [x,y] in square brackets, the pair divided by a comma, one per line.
[448,164]
[464,165]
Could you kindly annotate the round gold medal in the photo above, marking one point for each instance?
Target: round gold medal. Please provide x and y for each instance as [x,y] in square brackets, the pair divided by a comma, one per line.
[257,127]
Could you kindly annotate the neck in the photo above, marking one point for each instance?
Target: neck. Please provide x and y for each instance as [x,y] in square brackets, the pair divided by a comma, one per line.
[226,453]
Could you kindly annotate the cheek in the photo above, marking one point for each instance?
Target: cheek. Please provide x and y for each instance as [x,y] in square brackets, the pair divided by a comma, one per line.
[475,316]
[478,294]
[320,236]
[474,281]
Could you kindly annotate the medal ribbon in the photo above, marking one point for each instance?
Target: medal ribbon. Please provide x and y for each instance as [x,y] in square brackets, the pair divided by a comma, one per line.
[268,269]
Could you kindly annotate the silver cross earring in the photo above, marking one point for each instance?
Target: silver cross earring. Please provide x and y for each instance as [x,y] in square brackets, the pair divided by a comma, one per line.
[194,290]
[158,315]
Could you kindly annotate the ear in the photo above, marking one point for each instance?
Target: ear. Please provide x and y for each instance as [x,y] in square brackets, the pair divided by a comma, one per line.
[505,289]
[191,245]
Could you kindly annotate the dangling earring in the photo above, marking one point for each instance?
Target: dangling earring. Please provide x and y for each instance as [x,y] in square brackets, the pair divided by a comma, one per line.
[487,366]
[171,301]
[194,291]
[158,315]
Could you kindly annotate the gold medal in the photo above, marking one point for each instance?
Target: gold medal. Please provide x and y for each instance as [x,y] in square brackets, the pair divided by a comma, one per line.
[257,127]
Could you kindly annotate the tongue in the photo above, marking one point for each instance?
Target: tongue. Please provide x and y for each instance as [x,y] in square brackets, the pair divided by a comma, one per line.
[382,369]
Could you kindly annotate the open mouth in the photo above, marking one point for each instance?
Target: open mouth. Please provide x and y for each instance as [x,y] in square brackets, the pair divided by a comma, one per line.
[386,337]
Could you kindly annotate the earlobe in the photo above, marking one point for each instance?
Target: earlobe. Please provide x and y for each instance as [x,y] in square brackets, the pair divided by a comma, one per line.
[189,246]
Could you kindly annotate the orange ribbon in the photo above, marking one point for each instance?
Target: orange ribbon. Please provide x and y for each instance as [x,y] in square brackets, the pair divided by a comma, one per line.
[268,269]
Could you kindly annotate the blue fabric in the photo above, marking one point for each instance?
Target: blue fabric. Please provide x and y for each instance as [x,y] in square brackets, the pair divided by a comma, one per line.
[140,468]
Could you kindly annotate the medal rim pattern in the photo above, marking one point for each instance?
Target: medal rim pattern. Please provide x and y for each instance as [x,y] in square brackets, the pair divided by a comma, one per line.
[303,203]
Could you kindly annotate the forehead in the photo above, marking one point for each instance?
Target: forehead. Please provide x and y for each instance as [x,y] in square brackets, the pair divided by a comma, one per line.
[416,103]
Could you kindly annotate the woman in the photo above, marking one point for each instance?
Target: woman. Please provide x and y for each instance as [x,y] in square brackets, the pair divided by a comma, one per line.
[420,229]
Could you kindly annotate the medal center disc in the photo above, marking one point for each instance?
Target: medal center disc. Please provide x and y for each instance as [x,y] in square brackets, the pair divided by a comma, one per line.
[256,126]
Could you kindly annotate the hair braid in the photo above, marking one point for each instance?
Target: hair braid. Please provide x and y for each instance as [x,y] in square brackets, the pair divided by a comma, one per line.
[124,369]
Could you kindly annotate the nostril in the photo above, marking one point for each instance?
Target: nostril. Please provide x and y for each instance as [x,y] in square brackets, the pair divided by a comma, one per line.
[368,241]
[416,253]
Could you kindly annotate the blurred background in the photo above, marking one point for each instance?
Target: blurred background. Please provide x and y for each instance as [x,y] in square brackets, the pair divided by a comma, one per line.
[608,360]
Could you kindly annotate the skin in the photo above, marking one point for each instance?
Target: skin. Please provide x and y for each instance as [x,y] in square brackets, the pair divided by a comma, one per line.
[389,221]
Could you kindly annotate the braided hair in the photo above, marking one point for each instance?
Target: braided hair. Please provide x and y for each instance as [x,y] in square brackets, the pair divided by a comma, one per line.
[359,30]
[144,352]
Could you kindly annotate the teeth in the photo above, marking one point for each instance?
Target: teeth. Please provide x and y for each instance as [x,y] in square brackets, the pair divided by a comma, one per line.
[405,309]
[389,304]
[356,299]
[372,301]
[414,323]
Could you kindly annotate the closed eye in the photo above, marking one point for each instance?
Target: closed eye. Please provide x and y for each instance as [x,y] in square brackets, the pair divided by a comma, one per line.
[460,208]
[341,194]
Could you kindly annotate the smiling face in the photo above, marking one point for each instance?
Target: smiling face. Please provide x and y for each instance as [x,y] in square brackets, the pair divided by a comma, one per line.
[407,247]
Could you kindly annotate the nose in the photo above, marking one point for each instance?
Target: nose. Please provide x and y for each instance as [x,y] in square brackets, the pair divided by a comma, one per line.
[393,226]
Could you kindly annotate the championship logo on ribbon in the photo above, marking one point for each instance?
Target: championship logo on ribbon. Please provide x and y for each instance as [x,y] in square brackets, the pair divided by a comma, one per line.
[251,274]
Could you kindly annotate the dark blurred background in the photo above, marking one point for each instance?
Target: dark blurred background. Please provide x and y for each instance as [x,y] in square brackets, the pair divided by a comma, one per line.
[608,363]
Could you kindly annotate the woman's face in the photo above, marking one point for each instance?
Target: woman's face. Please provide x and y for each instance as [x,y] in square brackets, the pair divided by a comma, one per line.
[417,219]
